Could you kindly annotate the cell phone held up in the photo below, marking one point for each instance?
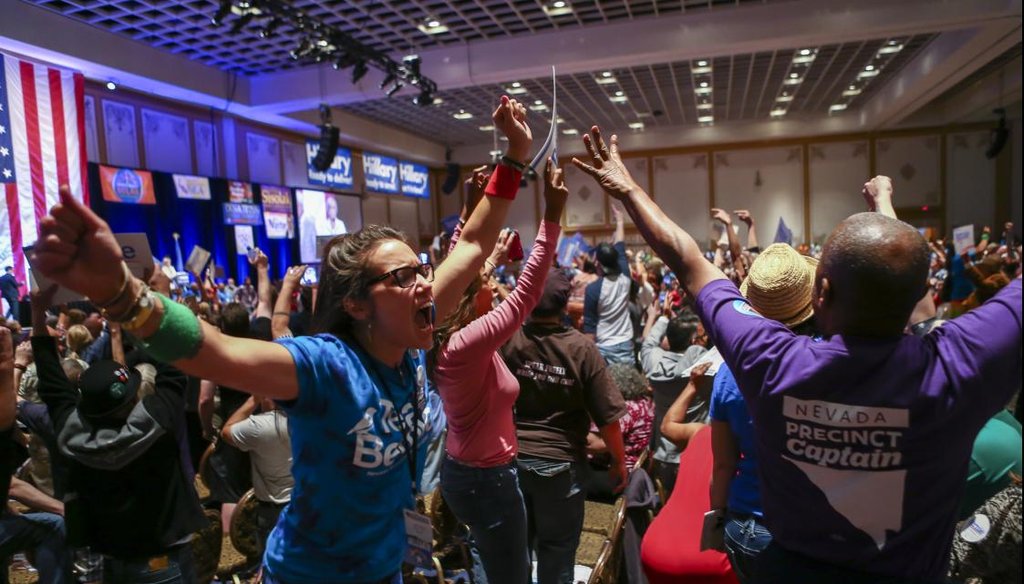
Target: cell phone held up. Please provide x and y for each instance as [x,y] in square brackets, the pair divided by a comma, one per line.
[515,246]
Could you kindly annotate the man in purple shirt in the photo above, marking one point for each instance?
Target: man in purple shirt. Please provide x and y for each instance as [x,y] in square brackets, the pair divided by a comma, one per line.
[864,437]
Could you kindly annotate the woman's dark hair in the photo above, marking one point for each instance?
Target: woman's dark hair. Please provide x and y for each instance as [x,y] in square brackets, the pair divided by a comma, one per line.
[630,382]
[463,314]
[343,275]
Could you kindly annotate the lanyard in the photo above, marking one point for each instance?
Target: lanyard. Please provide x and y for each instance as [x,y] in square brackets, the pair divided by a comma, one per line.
[403,428]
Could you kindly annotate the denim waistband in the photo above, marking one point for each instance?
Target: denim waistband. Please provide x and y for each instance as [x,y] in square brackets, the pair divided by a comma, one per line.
[510,464]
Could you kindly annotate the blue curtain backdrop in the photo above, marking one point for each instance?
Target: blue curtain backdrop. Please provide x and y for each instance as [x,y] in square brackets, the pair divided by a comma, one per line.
[199,223]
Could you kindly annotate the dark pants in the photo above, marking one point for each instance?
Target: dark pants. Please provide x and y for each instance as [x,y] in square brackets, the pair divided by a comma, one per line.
[745,538]
[267,515]
[554,499]
[42,533]
[14,311]
[175,566]
[489,501]
[777,565]
[269,578]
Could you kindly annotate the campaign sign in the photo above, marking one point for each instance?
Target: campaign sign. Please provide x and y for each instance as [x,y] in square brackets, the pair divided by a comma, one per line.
[192,187]
[239,192]
[277,212]
[339,175]
[125,185]
[415,179]
[242,214]
[381,173]
[963,239]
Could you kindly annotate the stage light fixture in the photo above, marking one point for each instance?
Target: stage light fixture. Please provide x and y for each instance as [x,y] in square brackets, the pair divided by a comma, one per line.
[269,30]
[998,135]
[398,86]
[423,99]
[388,79]
[222,12]
[328,146]
[359,70]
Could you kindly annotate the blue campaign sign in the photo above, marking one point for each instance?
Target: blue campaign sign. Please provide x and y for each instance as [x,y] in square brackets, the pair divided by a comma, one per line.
[242,214]
[415,179]
[381,173]
[339,175]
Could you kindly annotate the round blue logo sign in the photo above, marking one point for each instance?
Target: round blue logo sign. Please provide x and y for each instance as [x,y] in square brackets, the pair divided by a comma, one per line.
[127,185]
[742,307]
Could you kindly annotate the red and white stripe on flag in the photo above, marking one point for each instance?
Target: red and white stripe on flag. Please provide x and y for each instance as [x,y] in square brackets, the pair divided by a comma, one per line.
[42,146]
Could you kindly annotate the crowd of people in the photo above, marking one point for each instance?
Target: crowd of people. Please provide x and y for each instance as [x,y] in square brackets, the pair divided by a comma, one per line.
[862,396]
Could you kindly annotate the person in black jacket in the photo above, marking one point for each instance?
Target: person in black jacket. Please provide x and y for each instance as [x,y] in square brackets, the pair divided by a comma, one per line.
[127,496]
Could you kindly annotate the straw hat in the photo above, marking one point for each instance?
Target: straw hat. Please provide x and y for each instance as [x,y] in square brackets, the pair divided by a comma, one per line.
[780,284]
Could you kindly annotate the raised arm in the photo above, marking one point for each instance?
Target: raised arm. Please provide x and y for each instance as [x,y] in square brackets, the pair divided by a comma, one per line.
[282,310]
[77,250]
[674,426]
[735,252]
[263,305]
[481,229]
[669,241]
[748,219]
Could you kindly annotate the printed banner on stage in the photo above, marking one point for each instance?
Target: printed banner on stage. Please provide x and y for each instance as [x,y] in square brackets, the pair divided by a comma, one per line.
[338,176]
[126,185]
[242,214]
[192,187]
[415,179]
[277,212]
[381,173]
[239,192]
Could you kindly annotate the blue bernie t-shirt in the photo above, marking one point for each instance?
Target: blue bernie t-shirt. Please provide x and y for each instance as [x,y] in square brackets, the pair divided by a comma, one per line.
[727,405]
[345,520]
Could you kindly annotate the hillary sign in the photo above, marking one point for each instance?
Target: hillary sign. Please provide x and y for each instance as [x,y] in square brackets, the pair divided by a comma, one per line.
[338,175]
[381,173]
[415,179]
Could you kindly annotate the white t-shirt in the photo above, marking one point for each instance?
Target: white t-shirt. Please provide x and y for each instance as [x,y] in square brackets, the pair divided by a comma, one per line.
[265,437]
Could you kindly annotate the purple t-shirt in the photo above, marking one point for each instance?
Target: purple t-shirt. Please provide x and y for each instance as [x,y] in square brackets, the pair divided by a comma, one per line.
[863,444]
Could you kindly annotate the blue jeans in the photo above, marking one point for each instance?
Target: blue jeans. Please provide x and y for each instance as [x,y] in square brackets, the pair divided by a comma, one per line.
[174,566]
[745,538]
[269,578]
[489,501]
[778,565]
[619,353]
[43,533]
[554,510]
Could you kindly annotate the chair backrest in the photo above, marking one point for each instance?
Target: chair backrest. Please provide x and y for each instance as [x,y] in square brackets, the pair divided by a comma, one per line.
[244,532]
[206,547]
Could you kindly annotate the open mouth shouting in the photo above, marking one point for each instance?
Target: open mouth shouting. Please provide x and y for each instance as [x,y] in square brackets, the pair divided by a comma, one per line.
[425,316]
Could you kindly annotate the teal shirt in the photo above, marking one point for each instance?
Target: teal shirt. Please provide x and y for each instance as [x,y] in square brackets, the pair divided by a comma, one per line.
[996,453]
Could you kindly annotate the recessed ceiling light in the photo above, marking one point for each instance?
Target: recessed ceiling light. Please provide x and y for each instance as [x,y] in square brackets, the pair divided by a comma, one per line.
[890,49]
[618,99]
[852,91]
[516,84]
[793,81]
[702,90]
[486,128]
[619,93]
[705,106]
[606,74]
[869,68]
[636,126]
[837,107]
[784,98]
[516,89]
[704,84]
[538,106]
[778,112]
[570,131]
[438,101]
[538,102]
[706,119]
[111,86]
[606,78]
[462,115]
[794,75]
[495,153]
[432,26]
[867,73]
[805,52]
[558,8]
[702,63]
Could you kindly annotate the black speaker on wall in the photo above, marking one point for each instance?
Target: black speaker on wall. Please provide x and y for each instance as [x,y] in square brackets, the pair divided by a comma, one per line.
[329,135]
[328,147]
[451,179]
[998,135]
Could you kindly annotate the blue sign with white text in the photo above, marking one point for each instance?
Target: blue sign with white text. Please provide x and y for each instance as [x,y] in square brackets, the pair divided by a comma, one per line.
[242,214]
[381,173]
[415,179]
[339,175]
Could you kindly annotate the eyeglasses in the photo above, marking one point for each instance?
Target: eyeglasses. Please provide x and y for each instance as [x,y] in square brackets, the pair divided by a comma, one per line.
[406,276]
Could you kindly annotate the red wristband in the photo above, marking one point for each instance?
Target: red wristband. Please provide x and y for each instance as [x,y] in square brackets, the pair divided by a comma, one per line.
[504,183]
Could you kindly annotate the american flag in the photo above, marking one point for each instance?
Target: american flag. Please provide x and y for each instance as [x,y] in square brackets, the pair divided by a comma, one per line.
[42,146]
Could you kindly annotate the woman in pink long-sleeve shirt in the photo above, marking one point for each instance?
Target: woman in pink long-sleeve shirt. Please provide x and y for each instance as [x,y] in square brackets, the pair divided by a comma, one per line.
[478,477]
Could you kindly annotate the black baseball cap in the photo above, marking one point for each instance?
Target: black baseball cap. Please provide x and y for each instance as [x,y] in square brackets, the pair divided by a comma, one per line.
[555,295]
[106,386]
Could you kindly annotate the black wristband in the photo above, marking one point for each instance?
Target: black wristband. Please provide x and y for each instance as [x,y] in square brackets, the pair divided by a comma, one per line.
[507,161]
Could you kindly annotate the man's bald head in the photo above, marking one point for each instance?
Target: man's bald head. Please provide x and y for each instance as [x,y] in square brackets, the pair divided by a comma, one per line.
[876,269]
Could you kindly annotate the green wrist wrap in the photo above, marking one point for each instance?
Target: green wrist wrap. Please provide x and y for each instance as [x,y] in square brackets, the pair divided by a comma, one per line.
[179,335]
